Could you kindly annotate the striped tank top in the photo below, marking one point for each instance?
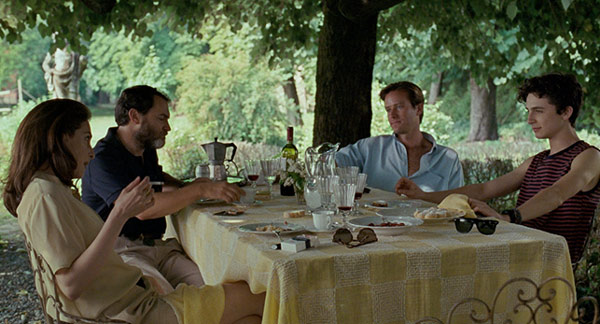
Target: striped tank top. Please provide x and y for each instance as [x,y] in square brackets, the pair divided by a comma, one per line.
[573,218]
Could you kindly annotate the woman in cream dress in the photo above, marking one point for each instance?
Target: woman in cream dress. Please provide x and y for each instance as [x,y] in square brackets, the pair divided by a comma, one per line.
[51,148]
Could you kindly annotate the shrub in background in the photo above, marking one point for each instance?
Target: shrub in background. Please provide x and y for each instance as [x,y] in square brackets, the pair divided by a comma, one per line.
[229,94]
[479,171]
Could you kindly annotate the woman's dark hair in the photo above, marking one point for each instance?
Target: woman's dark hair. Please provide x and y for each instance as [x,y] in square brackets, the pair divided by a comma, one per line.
[561,90]
[40,140]
[140,98]
[415,94]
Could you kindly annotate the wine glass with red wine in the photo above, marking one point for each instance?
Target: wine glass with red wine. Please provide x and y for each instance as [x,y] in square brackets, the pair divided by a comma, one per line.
[361,181]
[344,196]
[252,171]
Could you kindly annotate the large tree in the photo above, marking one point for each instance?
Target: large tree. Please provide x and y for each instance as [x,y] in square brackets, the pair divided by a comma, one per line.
[347,34]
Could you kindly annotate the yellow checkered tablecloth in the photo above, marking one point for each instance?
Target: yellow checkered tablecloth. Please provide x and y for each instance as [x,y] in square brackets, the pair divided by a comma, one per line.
[399,279]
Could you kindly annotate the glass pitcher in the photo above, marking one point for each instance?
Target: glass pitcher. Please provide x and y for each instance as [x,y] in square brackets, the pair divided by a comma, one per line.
[320,161]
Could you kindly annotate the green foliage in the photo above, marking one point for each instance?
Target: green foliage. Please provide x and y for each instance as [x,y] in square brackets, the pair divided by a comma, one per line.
[117,61]
[24,61]
[480,171]
[230,94]
[8,128]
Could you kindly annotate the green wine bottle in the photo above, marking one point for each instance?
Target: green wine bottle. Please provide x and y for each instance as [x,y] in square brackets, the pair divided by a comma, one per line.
[290,153]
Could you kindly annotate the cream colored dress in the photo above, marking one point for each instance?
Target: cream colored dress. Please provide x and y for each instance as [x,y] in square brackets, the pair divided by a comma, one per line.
[61,227]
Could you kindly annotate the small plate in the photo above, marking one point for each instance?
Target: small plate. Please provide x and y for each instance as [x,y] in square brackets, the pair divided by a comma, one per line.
[203,201]
[314,230]
[230,212]
[386,230]
[288,228]
[391,204]
[452,215]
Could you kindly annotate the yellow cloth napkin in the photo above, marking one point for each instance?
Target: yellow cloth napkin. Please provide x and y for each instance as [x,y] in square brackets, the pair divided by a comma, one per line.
[194,305]
[460,202]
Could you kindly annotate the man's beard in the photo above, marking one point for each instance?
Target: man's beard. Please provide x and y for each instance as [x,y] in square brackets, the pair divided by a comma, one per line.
[149,139]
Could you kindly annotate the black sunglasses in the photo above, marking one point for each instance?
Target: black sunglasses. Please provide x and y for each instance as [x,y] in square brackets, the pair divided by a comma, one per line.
[344,236]
[484,226]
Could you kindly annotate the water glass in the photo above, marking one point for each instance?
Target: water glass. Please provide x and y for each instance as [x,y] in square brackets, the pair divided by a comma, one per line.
[325,185]
[348,171]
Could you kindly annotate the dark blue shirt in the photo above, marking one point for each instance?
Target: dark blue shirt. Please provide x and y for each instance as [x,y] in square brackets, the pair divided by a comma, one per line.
[111,170]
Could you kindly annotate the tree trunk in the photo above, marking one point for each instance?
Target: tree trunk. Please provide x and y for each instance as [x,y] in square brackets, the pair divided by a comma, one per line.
[344,75]
[293,113]
[483,112]
[436,88]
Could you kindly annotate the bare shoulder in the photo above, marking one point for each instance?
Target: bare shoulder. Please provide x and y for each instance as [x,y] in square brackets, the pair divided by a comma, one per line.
[590,158]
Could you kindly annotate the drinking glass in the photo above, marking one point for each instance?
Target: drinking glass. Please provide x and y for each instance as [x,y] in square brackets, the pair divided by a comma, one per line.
[361,181]
[325,185]
[348,171]
[270,168]
[252,171]
[344,194]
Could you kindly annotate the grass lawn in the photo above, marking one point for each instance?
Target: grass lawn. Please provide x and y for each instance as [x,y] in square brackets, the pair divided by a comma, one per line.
[103,117]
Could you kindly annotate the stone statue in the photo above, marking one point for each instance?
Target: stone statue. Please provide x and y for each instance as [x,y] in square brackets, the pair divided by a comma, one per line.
[62,72]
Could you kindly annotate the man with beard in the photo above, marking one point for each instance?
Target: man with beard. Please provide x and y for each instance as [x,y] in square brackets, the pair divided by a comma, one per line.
[129,151]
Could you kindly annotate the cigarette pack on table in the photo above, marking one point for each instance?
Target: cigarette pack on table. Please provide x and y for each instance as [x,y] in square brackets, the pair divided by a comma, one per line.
[313,240]
[292,245]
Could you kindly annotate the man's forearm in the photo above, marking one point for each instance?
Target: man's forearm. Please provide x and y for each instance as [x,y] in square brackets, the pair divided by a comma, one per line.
[167,203]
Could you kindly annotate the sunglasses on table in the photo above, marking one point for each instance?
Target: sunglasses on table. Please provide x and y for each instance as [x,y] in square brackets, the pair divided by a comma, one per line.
[344,236]
[484,226]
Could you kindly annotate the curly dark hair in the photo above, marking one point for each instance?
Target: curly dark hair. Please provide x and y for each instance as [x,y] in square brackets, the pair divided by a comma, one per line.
[561,90]
[140,98]
[415,94]
[40,140]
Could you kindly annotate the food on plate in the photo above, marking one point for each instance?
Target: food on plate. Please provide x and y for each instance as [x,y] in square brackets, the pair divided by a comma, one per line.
[230,212]
[387,224]
[435,213]
[458,202]
[294,213]
[380,203]
[271,228]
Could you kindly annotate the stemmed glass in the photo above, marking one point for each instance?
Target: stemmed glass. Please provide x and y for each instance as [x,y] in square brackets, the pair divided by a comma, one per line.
[361,181]
[252,171]
[270,169]
[344,194]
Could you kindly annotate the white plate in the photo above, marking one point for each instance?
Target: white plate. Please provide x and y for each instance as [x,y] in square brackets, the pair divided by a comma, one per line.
[396,212]
[208,201]
[391,204]
[399,212]
[289,228]
[385,230]
[314,230]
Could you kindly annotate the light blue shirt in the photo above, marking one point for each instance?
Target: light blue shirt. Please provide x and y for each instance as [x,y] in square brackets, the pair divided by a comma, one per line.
[384,160]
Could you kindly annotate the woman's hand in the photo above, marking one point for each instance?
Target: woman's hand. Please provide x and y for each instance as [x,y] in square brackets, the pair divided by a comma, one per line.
[134,199]
[407,187]
[487,211]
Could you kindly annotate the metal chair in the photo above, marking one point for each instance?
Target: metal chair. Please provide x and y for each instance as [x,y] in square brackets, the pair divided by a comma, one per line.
[40,267]
[532,304]
[594,233]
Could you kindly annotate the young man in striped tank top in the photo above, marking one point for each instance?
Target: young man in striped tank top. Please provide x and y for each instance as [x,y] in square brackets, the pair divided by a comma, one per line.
[559,187]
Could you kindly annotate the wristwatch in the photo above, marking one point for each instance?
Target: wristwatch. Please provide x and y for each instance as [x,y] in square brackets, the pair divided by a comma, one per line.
[514,215]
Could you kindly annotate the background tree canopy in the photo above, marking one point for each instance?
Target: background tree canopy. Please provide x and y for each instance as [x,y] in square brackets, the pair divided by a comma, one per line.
[496,42]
